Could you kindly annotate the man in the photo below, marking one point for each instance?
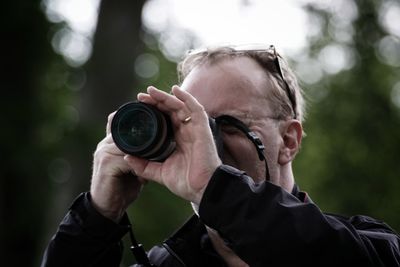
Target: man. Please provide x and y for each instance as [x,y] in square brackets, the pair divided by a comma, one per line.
[249,211]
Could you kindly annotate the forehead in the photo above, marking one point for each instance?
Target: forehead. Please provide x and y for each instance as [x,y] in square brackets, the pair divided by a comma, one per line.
[235,86]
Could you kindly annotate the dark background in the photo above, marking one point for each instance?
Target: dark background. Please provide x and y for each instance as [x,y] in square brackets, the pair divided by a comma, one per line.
[54,113]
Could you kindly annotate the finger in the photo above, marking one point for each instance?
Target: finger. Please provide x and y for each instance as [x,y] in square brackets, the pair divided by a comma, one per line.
[107,140]
[146,98]
[168,103]
[197,112]
[111,149]
[189,100]
[109,120]
[149,170]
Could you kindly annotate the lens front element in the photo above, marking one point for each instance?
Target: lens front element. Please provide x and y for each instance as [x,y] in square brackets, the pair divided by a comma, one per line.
[137,128]
[142,130]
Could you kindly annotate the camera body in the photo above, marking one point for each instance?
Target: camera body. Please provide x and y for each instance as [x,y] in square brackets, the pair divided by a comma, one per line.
[142,130]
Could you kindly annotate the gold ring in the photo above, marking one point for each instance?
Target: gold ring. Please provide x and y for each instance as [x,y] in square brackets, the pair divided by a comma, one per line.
[187,119]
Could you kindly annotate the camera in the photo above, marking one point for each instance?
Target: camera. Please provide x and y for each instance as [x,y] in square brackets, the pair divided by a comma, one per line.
[142,130]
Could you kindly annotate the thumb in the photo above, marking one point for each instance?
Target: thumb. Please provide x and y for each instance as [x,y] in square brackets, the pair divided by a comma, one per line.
[144,168]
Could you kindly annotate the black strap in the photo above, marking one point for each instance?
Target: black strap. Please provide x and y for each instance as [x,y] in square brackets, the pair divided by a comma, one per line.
[138,250]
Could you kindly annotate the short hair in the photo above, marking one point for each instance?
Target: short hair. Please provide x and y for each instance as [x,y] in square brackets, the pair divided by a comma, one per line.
[287,102]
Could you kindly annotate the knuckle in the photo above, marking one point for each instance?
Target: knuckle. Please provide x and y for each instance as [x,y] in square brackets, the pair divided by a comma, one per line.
[97,153]
[101,152]
[105,159]
[110,117]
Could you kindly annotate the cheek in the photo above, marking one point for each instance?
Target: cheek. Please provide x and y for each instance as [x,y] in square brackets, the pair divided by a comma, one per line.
[235,149]
[272,145]
[241,153]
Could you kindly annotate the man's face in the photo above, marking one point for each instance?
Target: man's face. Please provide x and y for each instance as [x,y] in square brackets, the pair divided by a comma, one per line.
[237,87]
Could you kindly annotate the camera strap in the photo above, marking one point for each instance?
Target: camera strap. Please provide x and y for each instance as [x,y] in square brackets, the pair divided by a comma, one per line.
[138,250]
[252,136]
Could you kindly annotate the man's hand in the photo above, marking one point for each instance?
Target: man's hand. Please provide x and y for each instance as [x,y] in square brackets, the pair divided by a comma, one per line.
[187,170]
[114,185]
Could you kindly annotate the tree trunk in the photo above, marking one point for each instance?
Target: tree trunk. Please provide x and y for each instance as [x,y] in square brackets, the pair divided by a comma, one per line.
[110,82]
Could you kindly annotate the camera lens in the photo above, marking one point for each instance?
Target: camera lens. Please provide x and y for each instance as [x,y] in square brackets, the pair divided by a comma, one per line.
[136,128]
[142,130]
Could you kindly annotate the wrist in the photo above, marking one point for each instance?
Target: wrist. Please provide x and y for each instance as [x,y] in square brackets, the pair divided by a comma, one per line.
[113,212]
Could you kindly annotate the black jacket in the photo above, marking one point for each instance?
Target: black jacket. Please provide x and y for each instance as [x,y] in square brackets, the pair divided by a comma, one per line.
[263,224]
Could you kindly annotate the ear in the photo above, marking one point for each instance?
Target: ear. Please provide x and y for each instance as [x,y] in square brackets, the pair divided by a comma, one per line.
[292,133]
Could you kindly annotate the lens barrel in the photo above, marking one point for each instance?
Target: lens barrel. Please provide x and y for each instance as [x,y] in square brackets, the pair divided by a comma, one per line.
[142,130]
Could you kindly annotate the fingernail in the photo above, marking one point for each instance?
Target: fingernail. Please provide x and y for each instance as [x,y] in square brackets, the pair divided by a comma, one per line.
[176,87]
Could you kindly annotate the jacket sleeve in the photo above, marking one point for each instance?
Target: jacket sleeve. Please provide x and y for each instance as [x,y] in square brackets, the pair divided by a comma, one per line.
[85,238]
[267,226]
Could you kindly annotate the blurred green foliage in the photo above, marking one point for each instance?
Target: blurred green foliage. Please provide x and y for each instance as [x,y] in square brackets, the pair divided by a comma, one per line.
[348,163]
[350,159]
